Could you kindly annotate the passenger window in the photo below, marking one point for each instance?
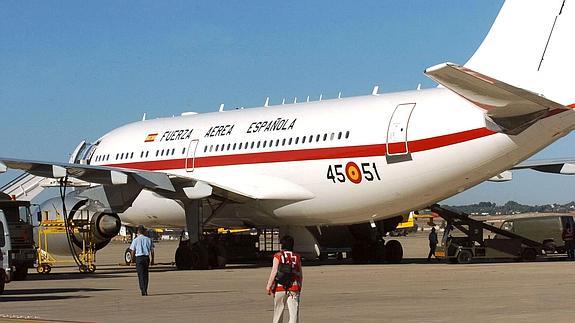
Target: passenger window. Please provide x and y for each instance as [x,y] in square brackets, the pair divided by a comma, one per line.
[252,146]
[317,138]
[229,145]
[183,151]
[265,142]
[211,147]
[157,153]
[147,153]
[332,136]
[303,140]
[277,142]
[131,155]
[339,135]
[296,140]
[289,141]
[347,134]
[217,147]
[283,142]
[234,147]
[258,146]
[324,136]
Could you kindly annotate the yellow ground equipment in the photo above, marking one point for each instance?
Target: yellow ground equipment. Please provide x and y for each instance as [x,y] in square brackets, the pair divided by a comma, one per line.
[53,231]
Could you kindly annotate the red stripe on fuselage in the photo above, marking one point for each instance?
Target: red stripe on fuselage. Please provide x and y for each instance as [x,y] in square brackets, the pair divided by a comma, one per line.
[308,154]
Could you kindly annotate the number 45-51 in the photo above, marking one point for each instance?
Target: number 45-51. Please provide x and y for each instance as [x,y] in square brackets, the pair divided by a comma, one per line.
[352,172]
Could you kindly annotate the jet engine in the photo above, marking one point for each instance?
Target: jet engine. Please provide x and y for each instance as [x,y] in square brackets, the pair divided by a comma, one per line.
[83,218]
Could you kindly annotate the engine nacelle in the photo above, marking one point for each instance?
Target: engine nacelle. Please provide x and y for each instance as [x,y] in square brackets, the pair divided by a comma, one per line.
[87,221]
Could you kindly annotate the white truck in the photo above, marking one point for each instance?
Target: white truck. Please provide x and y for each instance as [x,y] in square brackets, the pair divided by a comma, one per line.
[17,248]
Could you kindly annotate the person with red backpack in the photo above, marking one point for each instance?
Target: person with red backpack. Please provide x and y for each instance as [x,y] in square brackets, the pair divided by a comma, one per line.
[285,281]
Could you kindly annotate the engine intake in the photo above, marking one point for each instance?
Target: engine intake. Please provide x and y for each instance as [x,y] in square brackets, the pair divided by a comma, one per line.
[89,224]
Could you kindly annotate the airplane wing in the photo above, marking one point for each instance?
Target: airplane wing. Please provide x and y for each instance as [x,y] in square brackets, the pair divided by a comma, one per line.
[236,187]
[89,173]
[554,166]
[512,108]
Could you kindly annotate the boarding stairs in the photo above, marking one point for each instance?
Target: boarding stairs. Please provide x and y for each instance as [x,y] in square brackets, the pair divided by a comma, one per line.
[27,186]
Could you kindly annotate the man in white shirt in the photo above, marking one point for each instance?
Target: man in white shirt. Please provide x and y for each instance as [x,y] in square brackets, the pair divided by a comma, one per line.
[142,249]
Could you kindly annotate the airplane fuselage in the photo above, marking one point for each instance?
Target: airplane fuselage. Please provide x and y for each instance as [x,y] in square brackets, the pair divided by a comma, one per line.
[326,162]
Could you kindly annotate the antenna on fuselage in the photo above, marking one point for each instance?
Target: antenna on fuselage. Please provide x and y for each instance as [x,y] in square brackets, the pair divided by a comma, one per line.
[375,90]
[221,107]
[144,117]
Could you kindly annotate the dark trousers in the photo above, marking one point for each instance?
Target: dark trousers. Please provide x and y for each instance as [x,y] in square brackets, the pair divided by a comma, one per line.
[432,247]
[142,266]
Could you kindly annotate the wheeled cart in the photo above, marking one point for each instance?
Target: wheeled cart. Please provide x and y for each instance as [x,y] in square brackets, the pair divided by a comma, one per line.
[472,244]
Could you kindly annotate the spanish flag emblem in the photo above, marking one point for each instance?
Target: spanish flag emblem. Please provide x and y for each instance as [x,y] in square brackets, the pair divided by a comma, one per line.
[151,137]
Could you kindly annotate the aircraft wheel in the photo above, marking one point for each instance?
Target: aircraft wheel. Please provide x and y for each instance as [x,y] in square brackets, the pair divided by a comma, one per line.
[393,252]
[47,269]
[464,257]
[183,257]
[91,268]
[529,254]
[200,256]
[359,253]
[379,252]
[2,280]
[128,256]
[40,269]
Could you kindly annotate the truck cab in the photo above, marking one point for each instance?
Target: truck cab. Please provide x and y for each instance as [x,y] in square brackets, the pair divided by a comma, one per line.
[18,250]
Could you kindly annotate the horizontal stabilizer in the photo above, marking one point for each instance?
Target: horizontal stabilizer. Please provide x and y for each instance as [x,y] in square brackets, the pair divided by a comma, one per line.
[511,108]
[554,166]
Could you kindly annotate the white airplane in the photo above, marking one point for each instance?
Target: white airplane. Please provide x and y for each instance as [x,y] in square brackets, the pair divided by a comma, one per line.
[358,162]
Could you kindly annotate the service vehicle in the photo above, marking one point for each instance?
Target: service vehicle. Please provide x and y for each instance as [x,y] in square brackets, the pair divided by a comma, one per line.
[18,251]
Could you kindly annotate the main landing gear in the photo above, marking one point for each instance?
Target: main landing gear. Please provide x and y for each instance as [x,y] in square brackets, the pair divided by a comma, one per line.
[198,251]
[370,247]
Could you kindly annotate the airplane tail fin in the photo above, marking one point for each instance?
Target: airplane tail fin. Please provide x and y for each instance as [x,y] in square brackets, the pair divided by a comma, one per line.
[530,46]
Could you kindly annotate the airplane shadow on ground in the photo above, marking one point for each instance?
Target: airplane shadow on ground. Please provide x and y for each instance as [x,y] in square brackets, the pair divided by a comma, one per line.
[103,273]
[44,294]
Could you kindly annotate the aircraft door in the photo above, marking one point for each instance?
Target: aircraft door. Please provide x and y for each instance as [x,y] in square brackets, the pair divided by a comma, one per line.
[191,155]
[397,149]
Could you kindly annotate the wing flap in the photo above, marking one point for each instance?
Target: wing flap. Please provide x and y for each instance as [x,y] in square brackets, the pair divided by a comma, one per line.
[510,107]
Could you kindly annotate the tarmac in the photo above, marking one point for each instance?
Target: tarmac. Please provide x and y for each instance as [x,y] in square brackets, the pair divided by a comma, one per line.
[414,291]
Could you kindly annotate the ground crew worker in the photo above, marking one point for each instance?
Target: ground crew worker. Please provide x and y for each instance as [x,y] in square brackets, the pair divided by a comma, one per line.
[432,244]
[286,263]
[569,239]
[142,249]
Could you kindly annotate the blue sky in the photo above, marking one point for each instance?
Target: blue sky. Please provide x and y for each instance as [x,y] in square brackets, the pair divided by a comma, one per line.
[73,70]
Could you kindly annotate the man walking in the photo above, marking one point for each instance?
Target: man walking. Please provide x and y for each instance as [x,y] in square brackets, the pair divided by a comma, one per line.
[432,244]
[142,249]
[285,281]
[568,238]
